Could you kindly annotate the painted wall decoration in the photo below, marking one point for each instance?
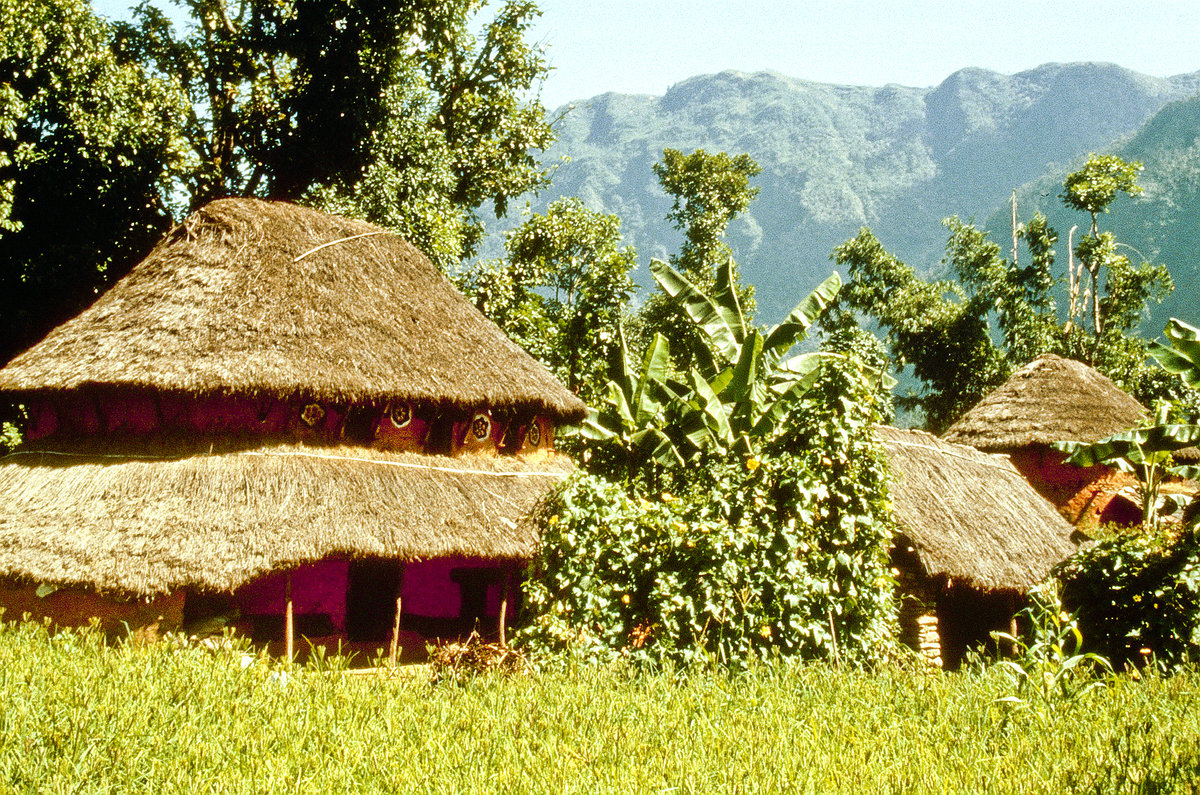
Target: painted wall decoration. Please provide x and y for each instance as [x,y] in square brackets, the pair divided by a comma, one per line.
[398,425]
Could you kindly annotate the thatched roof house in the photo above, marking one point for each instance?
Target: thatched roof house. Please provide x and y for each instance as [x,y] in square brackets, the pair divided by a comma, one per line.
[266,298]
[975,537]
[1051,399]
[273,387]
[971,516]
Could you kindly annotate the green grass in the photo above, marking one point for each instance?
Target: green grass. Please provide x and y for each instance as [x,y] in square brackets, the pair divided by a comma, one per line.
[77,716]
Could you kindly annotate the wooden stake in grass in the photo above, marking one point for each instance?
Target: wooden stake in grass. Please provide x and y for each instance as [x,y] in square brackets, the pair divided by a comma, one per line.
[288,627]
[394,651]
[504,607]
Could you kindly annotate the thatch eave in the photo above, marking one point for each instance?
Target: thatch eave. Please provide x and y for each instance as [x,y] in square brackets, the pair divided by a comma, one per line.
[1051,399]
[150,524]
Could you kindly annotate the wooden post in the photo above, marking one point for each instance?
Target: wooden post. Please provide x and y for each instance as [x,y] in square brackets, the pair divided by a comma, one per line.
[394,651]
[504,607]
[288,626]
[1014,603]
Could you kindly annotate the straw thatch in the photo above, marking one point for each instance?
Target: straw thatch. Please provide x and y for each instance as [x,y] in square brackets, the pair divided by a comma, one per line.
[113,521]
[1050,399]
[255,297]
[970,515]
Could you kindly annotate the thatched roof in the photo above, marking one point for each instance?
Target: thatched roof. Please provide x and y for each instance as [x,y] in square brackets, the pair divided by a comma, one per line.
[144,525]
[1051,399]
[248,296]
[970,515]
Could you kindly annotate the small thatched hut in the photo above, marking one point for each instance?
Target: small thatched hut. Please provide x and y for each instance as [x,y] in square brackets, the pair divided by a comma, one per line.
[1053,399]
[278,417]
[975,539]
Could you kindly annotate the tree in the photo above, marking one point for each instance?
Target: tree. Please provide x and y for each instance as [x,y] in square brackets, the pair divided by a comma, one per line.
[562,293]
[87,149]
[708,191]
[943,328]
[394,112]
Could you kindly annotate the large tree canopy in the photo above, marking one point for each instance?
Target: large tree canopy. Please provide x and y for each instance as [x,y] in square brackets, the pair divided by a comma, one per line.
[87,149]
[414,115]
[392,111]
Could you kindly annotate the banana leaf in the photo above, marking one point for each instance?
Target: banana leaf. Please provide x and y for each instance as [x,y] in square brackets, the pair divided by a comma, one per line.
[1183,357]
[795,326]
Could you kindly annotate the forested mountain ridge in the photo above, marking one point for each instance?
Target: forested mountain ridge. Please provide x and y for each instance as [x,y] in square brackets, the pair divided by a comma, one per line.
[835,158]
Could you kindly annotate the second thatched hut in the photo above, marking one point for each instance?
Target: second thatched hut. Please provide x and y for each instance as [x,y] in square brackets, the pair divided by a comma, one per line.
[975,538]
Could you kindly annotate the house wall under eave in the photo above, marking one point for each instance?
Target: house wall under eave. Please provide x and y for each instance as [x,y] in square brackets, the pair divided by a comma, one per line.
[1081,494]
[141,618]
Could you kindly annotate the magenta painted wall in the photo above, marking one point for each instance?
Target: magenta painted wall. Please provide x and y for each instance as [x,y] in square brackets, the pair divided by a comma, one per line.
[137,413]
[316,588]
[429,591]
[320,587]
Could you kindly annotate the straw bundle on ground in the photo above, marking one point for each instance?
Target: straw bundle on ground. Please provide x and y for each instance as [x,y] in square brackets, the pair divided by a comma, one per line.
[255,297]
[153,524]
[1050,399]
[970,515]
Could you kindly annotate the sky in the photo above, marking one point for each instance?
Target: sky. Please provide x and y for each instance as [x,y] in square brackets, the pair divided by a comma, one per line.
[646,46]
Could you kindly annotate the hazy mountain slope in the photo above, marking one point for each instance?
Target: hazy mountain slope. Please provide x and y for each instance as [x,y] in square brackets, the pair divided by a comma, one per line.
[1164,224]
[837,157]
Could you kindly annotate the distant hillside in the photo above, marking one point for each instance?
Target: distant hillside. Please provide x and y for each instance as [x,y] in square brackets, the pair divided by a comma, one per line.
[834,157]
[1163,225]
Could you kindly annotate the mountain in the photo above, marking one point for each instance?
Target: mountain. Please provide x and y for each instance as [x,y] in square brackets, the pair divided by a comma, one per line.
[835,157]
[1163,225]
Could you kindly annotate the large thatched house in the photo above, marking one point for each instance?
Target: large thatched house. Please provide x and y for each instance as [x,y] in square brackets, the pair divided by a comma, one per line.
[975,538]
[1053,399]
[278,415]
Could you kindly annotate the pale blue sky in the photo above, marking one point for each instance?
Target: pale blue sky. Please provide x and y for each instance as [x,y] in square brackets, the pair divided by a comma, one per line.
[644,46]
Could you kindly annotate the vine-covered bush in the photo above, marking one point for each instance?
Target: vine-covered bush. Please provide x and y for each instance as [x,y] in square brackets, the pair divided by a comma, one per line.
[1137,593]
[782,551]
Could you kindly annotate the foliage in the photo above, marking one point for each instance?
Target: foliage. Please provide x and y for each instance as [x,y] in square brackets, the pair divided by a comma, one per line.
[943,329]
[1050,664]
[708,191]
[1144,452]
[737,513]
[1182,357]
[562,293]
[742,384]
[1094,187]
[82,717]
[400,114]
[777,553]
[87,147]
[1137,594]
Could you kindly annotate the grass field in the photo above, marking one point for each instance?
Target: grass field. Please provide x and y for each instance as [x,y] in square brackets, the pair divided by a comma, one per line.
[81,717]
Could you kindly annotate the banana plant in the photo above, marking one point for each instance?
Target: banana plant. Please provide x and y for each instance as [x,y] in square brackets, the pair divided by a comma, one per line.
[630,425]
[1143,452]
[745,385]
[1183,356]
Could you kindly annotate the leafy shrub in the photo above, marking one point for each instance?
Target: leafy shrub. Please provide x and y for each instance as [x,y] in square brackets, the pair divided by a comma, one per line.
[783,552]
[1137,593]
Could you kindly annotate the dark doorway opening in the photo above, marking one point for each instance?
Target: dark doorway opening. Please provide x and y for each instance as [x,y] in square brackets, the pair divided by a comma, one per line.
[371,599]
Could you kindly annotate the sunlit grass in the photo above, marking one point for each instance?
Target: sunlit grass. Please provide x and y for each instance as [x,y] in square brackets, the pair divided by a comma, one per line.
[78,716]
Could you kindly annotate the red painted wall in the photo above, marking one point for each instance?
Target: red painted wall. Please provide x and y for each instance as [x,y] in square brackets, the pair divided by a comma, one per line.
[397,426]
[1081,494]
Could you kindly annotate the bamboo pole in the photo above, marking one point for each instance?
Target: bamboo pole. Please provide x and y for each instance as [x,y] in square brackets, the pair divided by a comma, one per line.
[288,625]
[504,607]
[394,651]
